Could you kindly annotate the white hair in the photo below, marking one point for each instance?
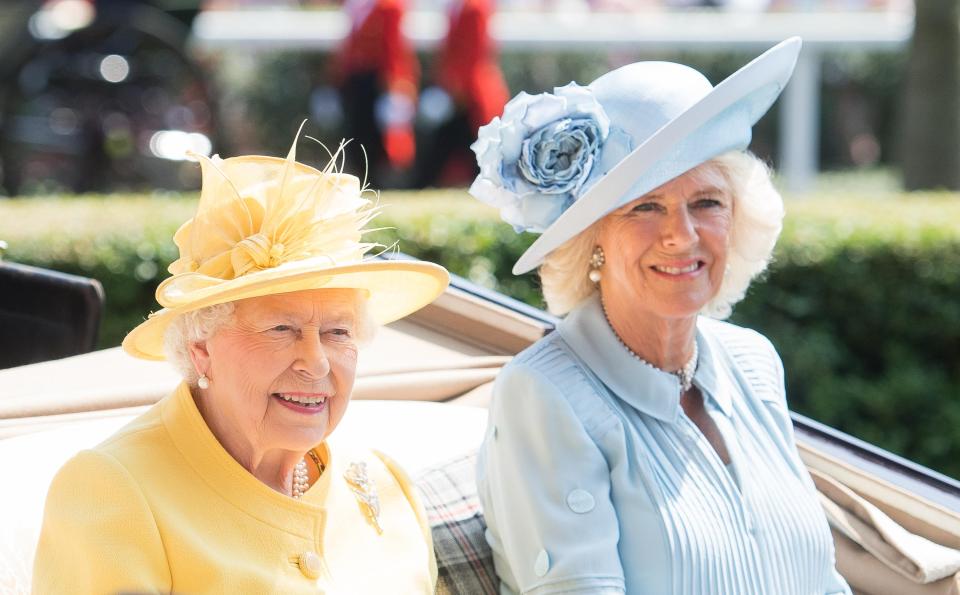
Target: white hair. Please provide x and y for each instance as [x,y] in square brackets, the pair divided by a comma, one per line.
[202,324]
[757,221]
[193,327]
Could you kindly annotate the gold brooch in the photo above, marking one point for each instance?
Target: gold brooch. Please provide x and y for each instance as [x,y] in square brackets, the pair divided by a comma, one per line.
[366,492]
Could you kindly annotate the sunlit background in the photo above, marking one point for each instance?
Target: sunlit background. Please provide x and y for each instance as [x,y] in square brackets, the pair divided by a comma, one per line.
[108,96]
[102,105]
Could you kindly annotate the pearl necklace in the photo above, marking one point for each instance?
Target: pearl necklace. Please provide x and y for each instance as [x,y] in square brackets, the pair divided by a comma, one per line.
[301,481]
[684,374]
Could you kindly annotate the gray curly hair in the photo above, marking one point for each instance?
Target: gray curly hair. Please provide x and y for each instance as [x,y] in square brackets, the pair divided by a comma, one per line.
[757,221]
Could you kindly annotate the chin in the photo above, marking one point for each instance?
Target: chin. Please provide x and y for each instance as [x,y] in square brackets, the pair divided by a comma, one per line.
[680,308]
[302,438]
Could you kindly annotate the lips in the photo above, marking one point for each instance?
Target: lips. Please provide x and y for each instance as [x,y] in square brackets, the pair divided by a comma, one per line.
[302,402]
[679,270]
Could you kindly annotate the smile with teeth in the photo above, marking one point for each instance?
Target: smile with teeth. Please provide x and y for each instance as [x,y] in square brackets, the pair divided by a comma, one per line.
[678,270]
[309,401]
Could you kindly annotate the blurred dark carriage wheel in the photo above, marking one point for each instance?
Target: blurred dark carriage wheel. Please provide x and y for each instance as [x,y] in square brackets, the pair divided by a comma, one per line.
[109,107]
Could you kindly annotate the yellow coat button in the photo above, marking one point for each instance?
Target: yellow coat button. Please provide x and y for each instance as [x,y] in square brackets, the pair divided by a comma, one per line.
[309,563]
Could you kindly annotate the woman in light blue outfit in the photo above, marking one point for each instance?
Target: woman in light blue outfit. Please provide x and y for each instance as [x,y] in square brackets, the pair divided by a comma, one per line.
[646,446]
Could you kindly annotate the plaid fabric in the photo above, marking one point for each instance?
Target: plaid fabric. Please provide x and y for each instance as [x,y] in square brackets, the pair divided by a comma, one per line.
[464,560]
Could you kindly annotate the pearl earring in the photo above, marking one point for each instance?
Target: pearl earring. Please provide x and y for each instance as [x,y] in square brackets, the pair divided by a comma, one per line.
[203,382]
[596,261]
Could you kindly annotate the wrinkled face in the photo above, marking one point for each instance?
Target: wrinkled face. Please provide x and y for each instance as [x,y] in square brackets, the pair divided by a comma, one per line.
[282,371]
[666,252]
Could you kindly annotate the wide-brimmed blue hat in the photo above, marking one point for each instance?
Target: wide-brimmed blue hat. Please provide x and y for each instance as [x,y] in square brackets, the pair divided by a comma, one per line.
[557,162]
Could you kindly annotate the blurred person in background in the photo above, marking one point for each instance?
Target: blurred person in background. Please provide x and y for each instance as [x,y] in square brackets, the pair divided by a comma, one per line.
[378,75]
[469,91]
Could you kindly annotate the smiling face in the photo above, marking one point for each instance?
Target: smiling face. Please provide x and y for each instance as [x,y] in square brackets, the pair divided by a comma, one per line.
[666,252]
[281,372]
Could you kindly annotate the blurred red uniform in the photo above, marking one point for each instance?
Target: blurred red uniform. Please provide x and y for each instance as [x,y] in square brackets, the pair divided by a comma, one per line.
[468,68]
[468,72]
[377,73]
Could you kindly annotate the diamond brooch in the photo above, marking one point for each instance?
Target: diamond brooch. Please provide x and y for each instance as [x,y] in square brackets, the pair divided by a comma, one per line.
[366,492]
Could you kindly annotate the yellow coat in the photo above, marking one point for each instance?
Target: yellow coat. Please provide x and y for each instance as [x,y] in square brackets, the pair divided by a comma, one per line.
[162,507]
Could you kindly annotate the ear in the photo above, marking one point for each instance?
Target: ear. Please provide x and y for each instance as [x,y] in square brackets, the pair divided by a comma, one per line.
[200,357]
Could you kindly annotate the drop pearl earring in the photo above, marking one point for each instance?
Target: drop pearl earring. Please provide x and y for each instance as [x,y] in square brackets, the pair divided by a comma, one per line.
[596,261]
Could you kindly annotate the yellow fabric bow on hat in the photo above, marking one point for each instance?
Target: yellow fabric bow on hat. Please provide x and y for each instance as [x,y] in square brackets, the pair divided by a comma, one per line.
[258,213]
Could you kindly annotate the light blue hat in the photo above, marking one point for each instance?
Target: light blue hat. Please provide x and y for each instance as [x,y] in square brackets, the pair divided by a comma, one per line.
[557,162]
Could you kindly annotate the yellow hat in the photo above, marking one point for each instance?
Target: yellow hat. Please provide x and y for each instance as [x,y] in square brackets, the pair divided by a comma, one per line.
[266,225]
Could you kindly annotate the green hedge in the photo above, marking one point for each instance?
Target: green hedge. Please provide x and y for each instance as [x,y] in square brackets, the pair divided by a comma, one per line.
[861,301]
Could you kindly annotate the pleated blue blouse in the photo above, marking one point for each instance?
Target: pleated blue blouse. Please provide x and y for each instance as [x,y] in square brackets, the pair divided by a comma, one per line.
[594,480]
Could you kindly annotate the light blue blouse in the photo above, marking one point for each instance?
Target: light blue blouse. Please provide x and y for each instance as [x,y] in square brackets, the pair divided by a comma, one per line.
[594,480]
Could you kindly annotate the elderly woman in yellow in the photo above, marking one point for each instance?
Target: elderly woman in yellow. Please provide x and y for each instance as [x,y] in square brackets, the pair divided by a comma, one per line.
[229,484]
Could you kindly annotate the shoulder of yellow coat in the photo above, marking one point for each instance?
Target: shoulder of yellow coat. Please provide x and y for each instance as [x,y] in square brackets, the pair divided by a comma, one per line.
[95,501]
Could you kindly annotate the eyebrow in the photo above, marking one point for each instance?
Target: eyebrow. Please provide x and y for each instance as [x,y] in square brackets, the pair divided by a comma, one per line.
[697,194]
[709,190]
[269,319]
[292,318]
[342,319]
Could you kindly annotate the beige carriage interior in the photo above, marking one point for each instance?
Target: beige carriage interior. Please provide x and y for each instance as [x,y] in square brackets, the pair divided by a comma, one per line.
[421,395]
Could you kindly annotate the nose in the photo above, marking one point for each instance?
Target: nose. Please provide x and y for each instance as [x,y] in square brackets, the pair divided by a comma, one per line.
[311,360]
[678,230]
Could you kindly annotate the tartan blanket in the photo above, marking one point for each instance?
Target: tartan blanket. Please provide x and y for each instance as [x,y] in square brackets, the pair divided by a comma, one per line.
[464,560]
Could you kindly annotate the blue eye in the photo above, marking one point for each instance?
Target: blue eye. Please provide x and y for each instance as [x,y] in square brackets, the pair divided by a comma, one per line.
[645,207]
[282,328]
[707,203]
[710,201]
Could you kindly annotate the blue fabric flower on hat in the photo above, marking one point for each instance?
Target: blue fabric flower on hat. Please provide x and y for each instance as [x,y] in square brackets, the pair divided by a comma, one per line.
[559,156]
[535,159]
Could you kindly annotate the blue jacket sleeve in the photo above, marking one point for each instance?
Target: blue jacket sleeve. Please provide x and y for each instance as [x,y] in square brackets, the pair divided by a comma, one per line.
[545,489]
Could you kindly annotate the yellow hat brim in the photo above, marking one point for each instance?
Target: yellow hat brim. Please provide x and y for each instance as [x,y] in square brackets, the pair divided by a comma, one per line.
[395,288]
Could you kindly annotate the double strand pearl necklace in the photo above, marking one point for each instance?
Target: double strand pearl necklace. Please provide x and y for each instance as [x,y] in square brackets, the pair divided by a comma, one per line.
[684,374]
[301,480]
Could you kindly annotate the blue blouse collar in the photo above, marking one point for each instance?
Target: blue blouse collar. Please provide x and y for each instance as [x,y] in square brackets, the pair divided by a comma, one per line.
[643,386]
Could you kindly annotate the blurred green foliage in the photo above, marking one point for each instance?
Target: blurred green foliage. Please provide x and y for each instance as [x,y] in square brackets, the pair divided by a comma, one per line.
[862,304]
[862,299]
